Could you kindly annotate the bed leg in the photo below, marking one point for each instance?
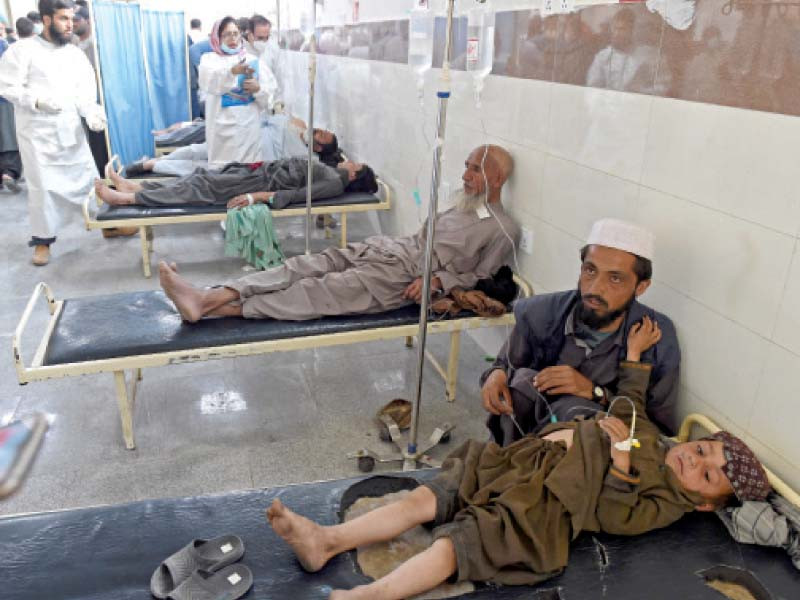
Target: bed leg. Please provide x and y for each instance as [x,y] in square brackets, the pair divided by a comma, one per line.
[452,365]
[343,225]
[409,341]
[125,409]
[145,251]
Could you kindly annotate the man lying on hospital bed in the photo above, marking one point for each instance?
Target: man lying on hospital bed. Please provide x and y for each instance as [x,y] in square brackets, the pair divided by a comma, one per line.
[277,184]
[507,515]
[472,241]
[282,136]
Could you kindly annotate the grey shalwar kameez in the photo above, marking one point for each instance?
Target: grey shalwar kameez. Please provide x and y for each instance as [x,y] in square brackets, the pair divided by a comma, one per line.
[285,177]
[371,277]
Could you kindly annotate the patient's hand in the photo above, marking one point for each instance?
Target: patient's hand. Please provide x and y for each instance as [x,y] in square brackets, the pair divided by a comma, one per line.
[414,289]
[242,199]
[618,432]
[641,337]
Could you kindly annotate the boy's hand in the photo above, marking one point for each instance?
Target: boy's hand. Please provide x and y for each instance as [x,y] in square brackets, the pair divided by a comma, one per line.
[618,432]
[642,336]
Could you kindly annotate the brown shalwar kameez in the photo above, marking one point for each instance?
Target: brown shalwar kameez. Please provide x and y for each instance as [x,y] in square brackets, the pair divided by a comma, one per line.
[511,512]
[371,276]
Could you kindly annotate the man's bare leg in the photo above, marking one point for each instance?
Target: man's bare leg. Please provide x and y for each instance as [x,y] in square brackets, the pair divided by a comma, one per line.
[418,574]
[113,197]
[314,544]
[194,303]
[122,184]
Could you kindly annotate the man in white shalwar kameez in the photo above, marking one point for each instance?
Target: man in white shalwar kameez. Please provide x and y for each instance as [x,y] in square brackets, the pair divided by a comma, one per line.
[52,85]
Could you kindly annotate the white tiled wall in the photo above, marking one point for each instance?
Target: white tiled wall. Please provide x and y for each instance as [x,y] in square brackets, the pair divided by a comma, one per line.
[717,185]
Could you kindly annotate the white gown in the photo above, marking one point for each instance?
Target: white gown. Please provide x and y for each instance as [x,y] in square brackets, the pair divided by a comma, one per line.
[55,155]
[233,133]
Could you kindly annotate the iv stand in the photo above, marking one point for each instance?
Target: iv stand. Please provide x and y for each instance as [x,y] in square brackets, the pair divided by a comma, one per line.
[416,454]
[312,75]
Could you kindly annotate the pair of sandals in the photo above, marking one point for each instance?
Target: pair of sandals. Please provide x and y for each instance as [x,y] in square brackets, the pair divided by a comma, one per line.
[473,300]
[203,570]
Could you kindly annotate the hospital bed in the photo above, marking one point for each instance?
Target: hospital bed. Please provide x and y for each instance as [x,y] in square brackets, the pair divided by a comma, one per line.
[146,217]
[110,551]
[133,331]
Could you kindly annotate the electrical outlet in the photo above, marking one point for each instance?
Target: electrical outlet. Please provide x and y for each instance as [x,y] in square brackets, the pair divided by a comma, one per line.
[526,241]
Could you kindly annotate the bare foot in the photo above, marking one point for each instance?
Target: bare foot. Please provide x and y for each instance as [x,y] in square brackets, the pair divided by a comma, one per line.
[113,197]
[304,536]
[187,299]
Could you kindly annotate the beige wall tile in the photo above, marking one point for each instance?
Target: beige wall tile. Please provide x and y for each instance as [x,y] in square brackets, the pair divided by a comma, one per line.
[734,267]
[602,129]
[575,196]
[774,406]
[737,161]
[721,361]
[787,325]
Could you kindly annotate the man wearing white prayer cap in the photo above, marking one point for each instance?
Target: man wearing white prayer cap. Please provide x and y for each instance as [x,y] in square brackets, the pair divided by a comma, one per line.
[561,360]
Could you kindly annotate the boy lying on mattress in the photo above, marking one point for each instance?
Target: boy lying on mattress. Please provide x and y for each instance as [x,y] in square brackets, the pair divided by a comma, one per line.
[507,515]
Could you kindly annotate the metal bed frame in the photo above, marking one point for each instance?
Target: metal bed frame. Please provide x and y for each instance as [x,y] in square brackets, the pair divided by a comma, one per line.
[145,224]
[125,390]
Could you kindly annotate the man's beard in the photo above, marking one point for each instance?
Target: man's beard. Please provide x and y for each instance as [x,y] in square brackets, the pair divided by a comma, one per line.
[57,37]
[596,321]
[465,202]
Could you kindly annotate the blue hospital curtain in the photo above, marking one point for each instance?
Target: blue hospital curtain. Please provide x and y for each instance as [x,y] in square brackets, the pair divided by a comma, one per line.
[165,43]
[118,30]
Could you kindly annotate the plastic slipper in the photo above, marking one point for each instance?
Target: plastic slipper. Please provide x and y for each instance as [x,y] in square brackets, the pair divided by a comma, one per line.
[206,555]
[229,583]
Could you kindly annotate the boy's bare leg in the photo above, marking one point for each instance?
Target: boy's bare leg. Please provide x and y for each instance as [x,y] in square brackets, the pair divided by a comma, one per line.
[315,544]
[122,184]
[113,197]
[195,303]
[418,574]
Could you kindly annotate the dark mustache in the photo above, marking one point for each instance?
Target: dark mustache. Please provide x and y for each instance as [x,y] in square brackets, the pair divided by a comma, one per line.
[586,297]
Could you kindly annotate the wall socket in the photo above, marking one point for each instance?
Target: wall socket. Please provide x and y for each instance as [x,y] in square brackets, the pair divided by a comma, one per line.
[526,241]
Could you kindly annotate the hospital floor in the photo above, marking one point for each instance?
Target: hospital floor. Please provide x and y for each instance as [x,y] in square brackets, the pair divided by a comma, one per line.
[209,427]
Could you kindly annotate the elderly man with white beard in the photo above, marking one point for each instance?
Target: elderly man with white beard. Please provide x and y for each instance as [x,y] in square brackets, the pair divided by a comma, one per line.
[472,241]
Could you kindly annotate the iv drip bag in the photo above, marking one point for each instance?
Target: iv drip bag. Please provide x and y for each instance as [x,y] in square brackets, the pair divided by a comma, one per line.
[420,42]
[480,45]
[307,25]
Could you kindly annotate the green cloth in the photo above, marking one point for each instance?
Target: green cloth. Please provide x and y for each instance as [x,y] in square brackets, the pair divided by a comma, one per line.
[249,233]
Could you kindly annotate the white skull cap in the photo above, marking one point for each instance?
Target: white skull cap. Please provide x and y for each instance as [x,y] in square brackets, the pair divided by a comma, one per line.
[622,235]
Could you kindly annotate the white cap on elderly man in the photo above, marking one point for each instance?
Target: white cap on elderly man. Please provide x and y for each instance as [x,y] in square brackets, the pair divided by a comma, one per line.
[622,235]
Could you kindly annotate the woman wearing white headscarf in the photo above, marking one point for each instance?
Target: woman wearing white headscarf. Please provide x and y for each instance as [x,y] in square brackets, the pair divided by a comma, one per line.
[238,86]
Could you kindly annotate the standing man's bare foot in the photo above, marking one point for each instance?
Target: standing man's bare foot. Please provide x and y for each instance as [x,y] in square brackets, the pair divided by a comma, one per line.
[112,197]
[187,299]
[306,538]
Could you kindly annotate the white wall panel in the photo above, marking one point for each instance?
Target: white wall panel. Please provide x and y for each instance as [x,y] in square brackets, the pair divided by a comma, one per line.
[737,268]
[740,162]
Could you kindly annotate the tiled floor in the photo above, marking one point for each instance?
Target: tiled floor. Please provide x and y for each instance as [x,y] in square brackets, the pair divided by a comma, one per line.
[208,427]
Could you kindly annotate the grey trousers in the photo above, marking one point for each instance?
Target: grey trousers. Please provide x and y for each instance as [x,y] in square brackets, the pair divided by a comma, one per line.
[339,281]
[533,410]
